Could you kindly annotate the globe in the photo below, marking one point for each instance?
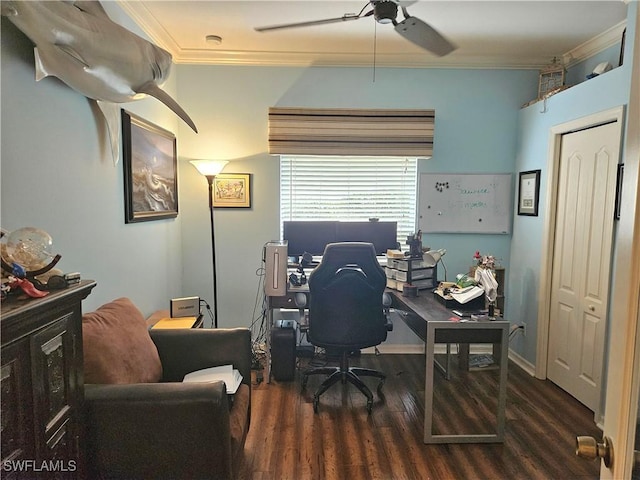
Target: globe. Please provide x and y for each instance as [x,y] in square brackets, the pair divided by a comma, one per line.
[30,247]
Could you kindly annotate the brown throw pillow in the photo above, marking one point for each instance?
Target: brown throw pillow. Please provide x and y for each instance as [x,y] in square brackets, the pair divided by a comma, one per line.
[117,346]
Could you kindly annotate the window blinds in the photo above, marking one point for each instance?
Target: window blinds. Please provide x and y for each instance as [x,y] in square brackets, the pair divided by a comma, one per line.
[349,189]
[308,131]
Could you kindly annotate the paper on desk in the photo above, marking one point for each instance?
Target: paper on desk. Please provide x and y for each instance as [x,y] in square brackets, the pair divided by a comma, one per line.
[230,376]
[466,294]
[488,283]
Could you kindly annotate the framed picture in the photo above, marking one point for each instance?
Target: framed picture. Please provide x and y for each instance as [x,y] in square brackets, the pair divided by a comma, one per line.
[529,193]
[150,170]
[232,190]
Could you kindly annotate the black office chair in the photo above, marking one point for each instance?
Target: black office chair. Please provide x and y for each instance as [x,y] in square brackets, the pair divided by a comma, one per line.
[346,312]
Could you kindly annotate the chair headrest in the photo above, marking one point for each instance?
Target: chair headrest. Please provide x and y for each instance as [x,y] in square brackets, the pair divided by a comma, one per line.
[359,254]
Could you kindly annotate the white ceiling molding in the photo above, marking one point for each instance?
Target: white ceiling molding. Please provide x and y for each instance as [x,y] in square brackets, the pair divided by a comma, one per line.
[140,14]
[158,32]
[594,46]
[334,59]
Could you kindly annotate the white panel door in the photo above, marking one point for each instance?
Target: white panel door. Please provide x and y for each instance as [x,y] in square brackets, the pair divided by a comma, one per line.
[582,259]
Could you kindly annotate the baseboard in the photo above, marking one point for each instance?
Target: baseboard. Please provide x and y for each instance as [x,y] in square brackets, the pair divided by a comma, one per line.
[394,349]
[524,364]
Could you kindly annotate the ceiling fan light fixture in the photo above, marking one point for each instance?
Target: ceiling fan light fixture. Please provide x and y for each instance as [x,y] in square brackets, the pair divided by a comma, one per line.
[385,12]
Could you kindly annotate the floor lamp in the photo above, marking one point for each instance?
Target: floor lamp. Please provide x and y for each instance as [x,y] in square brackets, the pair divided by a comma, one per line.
[211,168]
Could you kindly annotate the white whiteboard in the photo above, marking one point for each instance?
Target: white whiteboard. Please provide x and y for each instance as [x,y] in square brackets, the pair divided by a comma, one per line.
[465,203]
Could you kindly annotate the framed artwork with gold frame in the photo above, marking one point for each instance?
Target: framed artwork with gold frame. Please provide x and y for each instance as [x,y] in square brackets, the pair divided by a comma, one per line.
[232,190]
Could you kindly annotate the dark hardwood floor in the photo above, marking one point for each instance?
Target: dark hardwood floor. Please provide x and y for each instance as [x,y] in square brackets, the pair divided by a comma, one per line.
[287,440]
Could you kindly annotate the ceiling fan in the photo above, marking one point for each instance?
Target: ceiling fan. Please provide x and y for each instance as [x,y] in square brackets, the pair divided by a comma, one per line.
[385,12]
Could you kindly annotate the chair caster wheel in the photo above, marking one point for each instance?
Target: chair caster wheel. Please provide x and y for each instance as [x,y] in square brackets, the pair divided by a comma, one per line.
[380,385]
[369,406]
[316,402]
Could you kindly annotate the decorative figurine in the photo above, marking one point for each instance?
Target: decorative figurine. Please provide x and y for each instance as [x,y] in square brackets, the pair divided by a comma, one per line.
[26,286]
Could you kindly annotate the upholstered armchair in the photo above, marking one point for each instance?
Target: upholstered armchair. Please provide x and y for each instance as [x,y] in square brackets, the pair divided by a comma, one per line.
[142,422]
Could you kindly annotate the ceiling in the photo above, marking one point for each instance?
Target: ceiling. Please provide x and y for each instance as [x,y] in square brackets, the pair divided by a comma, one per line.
[489,34]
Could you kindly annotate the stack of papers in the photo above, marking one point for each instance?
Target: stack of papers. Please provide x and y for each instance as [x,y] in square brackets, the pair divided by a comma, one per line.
[466,294]
[230,376]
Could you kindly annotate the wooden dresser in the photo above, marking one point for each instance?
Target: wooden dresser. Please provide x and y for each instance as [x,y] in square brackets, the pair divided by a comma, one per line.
[43,385]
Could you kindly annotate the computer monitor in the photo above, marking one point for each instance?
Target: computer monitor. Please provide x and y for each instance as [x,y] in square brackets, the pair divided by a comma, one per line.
[308,236]
[313,236]
[383,235]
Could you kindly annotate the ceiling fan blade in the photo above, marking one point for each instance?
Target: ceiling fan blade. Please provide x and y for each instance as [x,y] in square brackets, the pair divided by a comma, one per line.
[425,36]
[346,17]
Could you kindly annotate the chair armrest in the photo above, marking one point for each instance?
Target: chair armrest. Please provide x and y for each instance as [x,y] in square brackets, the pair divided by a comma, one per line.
[389,323]
[386,305]
[170,430]
[186,350]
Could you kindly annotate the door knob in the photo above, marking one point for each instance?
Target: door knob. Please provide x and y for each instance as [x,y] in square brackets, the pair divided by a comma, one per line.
[588,447]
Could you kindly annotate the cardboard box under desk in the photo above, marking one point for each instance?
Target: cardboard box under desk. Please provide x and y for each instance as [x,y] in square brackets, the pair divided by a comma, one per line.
[475,304]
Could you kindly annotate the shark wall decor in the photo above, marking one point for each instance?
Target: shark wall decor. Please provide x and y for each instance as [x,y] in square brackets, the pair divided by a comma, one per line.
[78,43]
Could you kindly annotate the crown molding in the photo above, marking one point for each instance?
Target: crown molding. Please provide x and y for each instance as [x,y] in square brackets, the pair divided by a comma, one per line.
[339,59]
[161,37]
[594,46]
[141,15]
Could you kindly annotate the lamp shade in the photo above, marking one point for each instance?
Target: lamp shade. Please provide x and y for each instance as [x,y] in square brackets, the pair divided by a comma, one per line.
[209,167]
[432,257]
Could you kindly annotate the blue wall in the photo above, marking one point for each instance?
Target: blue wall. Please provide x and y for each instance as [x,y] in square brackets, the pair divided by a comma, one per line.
[58,175]
[57,172]
[476,132]
[595,95]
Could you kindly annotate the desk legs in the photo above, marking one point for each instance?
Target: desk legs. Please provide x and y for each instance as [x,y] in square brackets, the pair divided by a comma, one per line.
[268,344]
[446,370]
[496,437]
[463,356]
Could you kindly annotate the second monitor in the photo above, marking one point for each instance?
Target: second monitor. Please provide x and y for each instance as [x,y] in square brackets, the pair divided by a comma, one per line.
[312,236]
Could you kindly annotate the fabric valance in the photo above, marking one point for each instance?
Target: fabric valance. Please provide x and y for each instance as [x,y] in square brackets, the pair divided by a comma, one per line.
[310,131]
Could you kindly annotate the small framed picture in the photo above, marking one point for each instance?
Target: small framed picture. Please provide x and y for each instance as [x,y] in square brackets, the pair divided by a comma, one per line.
[150,170]
[232,190]
[529,193]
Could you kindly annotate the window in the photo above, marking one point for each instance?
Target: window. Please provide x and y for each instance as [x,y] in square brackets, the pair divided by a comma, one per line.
[349,189]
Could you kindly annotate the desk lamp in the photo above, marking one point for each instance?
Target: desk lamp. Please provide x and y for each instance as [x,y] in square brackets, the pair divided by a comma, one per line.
[211,168]
[432,257]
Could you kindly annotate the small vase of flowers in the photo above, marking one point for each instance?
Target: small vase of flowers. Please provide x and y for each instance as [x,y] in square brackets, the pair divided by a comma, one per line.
[484,261]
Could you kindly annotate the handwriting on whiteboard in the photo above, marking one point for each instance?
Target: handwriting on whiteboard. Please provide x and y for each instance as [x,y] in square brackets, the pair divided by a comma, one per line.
[465,203]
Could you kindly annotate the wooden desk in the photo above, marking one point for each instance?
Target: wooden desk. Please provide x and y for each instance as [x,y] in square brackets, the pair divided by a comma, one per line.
[431,321]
